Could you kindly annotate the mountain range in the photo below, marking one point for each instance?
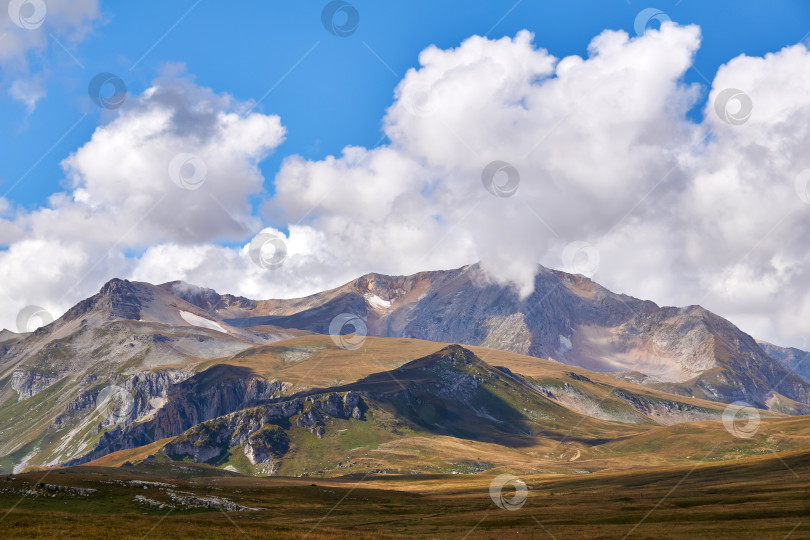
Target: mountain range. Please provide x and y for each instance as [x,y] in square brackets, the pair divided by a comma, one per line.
[454,364]
[567,318]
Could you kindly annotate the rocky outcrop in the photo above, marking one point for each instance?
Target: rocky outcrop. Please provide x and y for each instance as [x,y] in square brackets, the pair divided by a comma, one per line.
[333,405]
[667,412]
[210,394]
[120,298]
[262,430]
[28,383]
[53,488]
[126,399]
[190,500]
[267,444]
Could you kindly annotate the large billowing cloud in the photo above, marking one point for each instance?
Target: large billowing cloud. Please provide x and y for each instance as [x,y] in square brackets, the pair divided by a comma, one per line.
[615,181]
[177,165]
[585,136]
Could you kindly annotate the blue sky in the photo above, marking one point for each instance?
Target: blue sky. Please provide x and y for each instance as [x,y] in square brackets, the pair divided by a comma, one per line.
[338,93]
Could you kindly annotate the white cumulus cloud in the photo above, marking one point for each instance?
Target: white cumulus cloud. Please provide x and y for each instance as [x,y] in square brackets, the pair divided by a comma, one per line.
[123,196]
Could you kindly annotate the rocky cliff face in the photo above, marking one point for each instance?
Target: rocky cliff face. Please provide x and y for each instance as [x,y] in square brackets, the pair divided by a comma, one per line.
[181,405]
[118,299]
[29,383]
[260,432]
[794,359]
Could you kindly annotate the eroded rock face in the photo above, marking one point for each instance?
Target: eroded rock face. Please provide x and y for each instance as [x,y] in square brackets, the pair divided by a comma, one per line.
[181,405]
[308,419]
[255,428]
[123,400]
[263,429]
[30,383]
[121,298]
[198,452]
[266,444]
[340,407]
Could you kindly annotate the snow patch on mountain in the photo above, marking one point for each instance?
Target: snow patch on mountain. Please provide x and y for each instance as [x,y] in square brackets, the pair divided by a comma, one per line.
[376,302]
[196,320]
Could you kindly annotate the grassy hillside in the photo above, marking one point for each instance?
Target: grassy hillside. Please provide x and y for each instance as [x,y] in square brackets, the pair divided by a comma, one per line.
[451,412]
[315,361]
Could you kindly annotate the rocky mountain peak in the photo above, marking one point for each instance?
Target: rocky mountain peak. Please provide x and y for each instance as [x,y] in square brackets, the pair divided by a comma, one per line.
[453,358]
[116,286]
[457,353]
[119,298]
[6,334]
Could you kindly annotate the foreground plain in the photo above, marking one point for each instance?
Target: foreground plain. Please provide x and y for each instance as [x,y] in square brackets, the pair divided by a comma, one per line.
[758,497]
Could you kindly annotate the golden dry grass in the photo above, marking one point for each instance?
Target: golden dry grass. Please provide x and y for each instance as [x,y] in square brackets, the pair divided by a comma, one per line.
[760,497]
